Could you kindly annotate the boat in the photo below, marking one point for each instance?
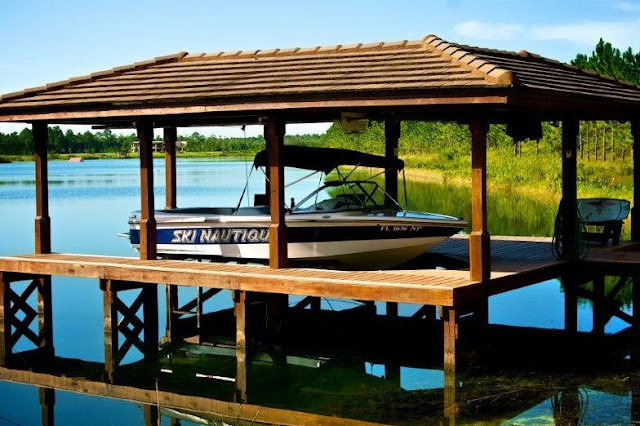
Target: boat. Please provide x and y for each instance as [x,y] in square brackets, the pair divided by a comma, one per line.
[350,222]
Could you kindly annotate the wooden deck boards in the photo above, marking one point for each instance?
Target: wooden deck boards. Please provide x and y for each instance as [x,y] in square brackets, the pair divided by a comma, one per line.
[516,261]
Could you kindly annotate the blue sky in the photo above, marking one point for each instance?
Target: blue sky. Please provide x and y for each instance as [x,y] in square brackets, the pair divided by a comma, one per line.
[43,41]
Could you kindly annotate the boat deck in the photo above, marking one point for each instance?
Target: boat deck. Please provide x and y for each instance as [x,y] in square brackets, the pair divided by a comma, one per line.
[515,261]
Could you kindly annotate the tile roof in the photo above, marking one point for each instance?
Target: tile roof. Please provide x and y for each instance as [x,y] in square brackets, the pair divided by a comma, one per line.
[375,71]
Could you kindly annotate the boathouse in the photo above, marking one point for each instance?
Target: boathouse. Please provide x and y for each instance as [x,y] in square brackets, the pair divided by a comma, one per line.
[426,79]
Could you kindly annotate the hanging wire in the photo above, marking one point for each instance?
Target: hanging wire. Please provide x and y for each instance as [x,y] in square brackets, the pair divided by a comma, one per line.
[404,184]
[569,250]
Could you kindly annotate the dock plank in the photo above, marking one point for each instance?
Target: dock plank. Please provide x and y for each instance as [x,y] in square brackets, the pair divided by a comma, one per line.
[515,262]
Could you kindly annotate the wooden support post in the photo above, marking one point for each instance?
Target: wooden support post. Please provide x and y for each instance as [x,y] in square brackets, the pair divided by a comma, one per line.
[43,235]
[316,304]
[147,219]
[635,405]
[635,306]
[172,304]
[47,404]
[170,139]
[199,303]
[570,127]
[479,240]
[5,322]
[392,136]
[151,415]
[392,373]
[148,236]
[45,317]
[449,320]
[598,305]
[570,304]
[274,135]
[42,222]
[111,344]
[150,318]
[240,311]
[635,211]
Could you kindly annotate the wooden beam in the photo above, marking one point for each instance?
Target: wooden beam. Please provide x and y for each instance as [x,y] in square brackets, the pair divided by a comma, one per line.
[274,135]
[147,218]
[170,139]
[479,239]
[230,411]
[570,129]
[635,211]
[42,222]
[413,100]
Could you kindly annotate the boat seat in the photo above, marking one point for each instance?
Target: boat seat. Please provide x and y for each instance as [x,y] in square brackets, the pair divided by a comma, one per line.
[603,218]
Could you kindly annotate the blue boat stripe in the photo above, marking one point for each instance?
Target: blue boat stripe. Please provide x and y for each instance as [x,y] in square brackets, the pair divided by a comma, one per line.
[295,234]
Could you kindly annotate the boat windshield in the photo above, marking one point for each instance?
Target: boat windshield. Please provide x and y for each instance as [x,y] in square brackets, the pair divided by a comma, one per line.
[345,195]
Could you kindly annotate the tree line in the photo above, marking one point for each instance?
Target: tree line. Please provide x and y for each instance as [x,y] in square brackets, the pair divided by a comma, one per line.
[602,141]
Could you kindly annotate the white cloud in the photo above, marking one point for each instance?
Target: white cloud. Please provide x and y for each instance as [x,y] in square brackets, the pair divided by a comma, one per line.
[627,6]
[620,33]
[488,30]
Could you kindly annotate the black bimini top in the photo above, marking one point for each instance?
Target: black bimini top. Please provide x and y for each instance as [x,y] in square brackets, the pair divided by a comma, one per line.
[327,159]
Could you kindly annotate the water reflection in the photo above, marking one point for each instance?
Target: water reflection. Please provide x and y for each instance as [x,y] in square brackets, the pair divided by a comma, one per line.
[342,365]
[195,384]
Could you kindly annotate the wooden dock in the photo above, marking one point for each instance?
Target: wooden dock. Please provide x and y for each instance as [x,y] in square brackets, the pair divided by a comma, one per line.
[514,259]
[515,262]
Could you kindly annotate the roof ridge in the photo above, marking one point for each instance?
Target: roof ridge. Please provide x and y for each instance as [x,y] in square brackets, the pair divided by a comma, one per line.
[459,55]
[95,76]
[355,47]
[534,57]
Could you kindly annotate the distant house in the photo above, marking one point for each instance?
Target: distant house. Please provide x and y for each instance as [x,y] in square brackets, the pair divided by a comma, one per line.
[158,146]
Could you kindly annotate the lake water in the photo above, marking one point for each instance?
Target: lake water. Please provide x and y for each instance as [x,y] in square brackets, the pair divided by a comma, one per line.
[90,203]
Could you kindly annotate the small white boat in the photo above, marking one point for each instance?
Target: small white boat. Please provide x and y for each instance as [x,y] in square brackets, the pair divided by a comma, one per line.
[352,222]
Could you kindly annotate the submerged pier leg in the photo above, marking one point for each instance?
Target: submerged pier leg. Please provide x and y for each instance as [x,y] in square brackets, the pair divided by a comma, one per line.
[599,320]
[151,415]
[449,320]
[172,304]
[570,303]
[240,311]
[47,405]
[635,351]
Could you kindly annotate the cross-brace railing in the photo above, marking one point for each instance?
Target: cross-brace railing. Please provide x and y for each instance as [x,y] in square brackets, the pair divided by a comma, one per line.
[193,308]
[17,315]
[121,318]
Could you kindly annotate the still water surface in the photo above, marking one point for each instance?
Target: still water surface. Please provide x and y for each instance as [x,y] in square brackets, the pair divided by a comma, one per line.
[90,203]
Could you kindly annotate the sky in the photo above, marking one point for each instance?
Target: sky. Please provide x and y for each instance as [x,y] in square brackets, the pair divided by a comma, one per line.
[43,41]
